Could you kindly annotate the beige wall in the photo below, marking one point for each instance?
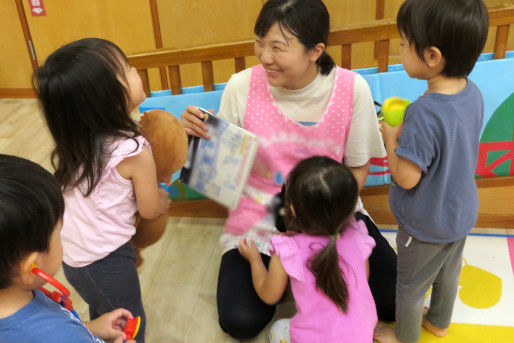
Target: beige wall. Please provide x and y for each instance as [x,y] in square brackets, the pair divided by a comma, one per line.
[15,67]
[189,23]
[184,23]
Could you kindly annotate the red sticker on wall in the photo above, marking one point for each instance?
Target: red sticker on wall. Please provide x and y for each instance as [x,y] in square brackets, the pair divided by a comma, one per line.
[37,8]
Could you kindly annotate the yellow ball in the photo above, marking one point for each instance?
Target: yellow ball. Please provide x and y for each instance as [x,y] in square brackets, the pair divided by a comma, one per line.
[393,110]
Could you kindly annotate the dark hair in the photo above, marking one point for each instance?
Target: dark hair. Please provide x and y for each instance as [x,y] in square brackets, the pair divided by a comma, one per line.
[458,28]
[31,204]
[323,194]
[81,89]
[307,20]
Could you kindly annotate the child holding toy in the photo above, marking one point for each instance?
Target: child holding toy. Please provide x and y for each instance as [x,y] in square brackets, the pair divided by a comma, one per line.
[31,211]
[105,167]
[299,104]
[324,254]
[433,193]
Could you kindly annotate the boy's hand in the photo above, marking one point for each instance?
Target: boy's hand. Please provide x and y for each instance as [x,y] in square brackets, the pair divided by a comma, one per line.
[109,326]
[248,250]
[389,133]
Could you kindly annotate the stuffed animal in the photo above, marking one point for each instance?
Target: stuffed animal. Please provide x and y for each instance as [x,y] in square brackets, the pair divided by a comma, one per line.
[169,148]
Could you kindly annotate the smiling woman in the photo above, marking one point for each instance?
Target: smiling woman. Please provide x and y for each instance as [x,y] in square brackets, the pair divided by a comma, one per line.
[299,104]
[287,62]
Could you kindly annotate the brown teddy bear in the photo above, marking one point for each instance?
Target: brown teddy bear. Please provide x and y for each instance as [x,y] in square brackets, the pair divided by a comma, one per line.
[169,148]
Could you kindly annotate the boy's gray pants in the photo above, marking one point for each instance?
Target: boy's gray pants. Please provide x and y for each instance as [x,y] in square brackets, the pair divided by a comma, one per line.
[421,265]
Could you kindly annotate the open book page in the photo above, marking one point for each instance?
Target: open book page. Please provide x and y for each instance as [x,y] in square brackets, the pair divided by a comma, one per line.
[219,167]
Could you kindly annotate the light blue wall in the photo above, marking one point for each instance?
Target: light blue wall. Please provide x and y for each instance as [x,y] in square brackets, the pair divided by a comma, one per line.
[495,78]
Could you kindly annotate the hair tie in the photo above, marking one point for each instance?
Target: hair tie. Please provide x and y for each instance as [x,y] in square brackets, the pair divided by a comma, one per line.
[336,236]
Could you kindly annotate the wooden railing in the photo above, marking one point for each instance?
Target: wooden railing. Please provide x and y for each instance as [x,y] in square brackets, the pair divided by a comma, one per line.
[496,206]
[379,31]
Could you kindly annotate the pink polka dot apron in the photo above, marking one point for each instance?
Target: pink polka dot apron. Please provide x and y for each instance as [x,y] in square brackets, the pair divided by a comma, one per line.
[282,144]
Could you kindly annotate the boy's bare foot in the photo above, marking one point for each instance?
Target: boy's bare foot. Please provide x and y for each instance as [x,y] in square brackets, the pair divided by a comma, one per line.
[433,329]
[384,334]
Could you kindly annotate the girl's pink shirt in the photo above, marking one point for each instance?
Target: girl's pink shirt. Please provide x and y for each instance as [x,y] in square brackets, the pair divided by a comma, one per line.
[96,225]
[318,319]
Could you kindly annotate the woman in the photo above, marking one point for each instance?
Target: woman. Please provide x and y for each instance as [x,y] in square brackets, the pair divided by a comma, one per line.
[299,104]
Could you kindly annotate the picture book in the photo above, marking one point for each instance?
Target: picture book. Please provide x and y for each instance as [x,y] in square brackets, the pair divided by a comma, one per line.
[219,167]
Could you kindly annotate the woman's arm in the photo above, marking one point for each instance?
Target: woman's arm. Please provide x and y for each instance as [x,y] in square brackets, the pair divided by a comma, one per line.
[152,201]
[270,283]
[364,140]
[360,174]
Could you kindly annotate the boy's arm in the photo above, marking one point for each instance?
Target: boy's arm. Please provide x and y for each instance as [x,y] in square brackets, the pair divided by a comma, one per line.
[405,173]
[270,283]
[151,200]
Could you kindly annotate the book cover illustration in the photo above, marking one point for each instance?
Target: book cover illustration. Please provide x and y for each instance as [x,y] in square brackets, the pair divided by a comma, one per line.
[219,167]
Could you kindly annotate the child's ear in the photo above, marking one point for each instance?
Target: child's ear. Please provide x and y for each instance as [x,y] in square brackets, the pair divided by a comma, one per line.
[433,57]
[25,274]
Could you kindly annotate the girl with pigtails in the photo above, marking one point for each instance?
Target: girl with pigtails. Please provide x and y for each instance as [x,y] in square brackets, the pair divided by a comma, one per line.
[324,254]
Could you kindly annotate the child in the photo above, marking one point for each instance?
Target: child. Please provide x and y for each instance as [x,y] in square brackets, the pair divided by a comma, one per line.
[31,210]
[105,167]
[324,255]
[434,196]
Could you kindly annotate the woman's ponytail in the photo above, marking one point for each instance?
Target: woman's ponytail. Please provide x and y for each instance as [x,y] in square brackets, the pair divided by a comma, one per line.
[325,63]
[329,279]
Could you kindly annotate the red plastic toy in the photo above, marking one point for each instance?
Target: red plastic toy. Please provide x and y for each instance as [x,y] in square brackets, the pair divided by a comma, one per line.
[132,327]
[63,297]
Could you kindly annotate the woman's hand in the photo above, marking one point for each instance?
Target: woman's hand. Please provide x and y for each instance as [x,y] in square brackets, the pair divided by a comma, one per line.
[249,250]
[192,122]
[109,326]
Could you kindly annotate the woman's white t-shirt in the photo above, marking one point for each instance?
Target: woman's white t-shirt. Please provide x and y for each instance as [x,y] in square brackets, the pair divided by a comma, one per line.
[308,105]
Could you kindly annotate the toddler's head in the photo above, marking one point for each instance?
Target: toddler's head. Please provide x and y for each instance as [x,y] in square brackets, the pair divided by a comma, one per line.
[31,210]
[456,28]
[320,196]
[87,91]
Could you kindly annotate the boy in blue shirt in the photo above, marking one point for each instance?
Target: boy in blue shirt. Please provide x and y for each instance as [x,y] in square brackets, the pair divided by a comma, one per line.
[31,210]
[433,193]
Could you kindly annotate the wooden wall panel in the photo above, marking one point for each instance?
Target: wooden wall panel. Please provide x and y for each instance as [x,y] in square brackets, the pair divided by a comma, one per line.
[349,12]
[15,67]
[186,23]
[127,23]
